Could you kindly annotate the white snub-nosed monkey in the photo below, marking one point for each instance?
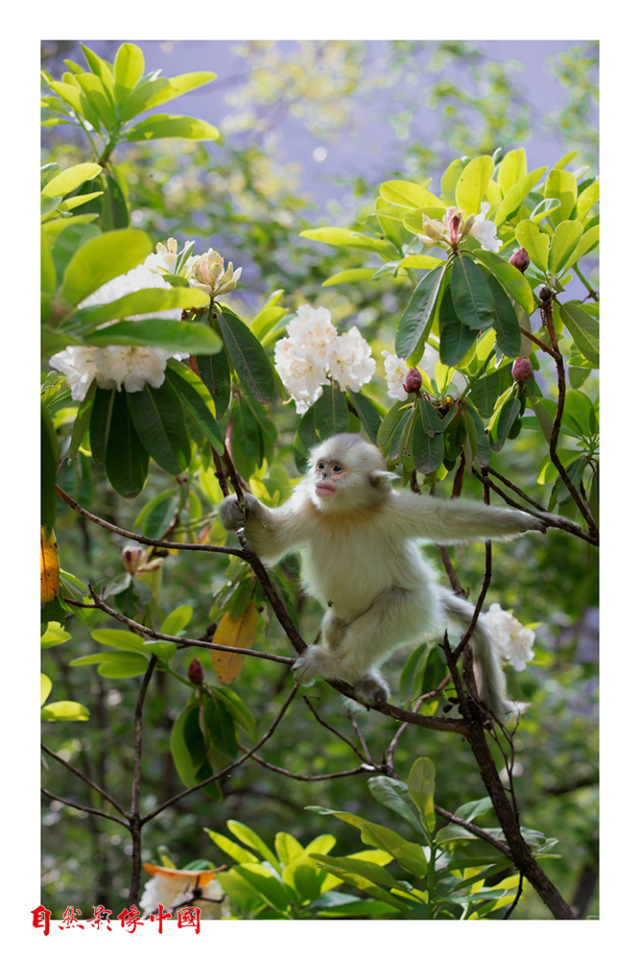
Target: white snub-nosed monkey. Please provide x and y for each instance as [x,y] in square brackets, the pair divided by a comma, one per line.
[359,540]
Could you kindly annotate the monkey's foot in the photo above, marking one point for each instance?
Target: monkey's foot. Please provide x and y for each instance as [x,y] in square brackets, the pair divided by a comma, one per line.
[372,688]
[315,662]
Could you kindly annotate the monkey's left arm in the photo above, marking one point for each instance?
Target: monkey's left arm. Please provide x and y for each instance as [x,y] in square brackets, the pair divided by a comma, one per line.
[453,521]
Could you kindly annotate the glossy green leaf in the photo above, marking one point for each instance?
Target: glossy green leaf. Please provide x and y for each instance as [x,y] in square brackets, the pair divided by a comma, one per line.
[587,198]
[115,210]
[174,335]
[163,125]
[102,259]
[188,751]
[535,242]
[419,313]
[271,889]
[78,101]
[218,730]
[562,186]
[516,194]
[125,459]
[563,243]
[471,186]
[395,795]
[330,412]
[584,330]
[508,413]
[214,371]
[419,261]
[455,337]
[45,687]
[238,711]
[349,276]
[509,276]
[431,422]
[64,710]
[158,418]
[512,169]
[421,787]
[129,68]
[427,450]
[143,302]
[197,399]
[369,413]
[99,97]
[587,242]
[49,455]
[251,839]
[182,83]
[505,321]
[350,875]
[404,193]
[248,357]
[70,179]
[53,636]
[120,639]
[231,849]
[449,181]
[472,299]
[143,97]
[342,237]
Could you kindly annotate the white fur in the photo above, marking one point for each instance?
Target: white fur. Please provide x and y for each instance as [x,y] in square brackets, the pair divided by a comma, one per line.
[362,562]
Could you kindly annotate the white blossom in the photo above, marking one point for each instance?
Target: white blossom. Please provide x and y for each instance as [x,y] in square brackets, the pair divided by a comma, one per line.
[313,351]
[513,641]
[208,273]
[174,887]
[119,366]
[452,229]
[395,371]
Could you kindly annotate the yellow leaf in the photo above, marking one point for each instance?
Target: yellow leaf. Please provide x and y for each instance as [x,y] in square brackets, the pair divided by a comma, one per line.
[233,633]
[49,567]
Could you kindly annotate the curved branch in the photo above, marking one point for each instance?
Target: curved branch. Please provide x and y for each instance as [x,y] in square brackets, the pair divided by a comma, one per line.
[150,541]
[79,806]
[81,776]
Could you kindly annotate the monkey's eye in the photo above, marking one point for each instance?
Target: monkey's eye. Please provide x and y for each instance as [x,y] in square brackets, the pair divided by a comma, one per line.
[337,468]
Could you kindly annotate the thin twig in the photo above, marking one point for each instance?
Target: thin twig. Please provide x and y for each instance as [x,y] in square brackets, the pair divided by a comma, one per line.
[360,737]
[539,343]
[181,641]
[333,730]
[167,544]
[301,776]
[453,577]
[82,776]
[136,832]
[476,831]
[226,770]
[79,806]
[515,489]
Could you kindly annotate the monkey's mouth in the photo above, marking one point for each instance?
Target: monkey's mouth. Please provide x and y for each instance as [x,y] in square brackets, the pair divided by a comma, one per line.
[325,489]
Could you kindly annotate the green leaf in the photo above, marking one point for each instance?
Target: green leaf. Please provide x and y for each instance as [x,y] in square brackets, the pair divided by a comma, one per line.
[472,184]
[368,412]
[421,786]
[70,179]
[218,729]
[472,298]
[587,242]
[64,710]
[330,412]
[197,400]
[101,259]
[239,854]
[562,186]
[419,313]
[99,97]
[175,335]
[350,875]
[188,751]
[214,371]
[238,711]
[251,839]
[455,338]
[129,68]
[431,422]
[563,243]
[584,330]
[404,193]
[485,392]
[141,302]
[505,320]
[271,889]
[342,237]
[54,635]
[125,459]
[419,261]
[248,357]
[120,639]
[509,276]
[45,687]
[361,868]
[177,620]
[142,97]
[163,125]
[512,168]
[427,449]
[176,86]
[535,242]
[516,194]
[508,413]
[159,422]
[409,855]
[395,795]
[349,276]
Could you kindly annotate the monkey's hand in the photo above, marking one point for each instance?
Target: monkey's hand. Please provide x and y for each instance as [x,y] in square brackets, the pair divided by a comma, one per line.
[231,514]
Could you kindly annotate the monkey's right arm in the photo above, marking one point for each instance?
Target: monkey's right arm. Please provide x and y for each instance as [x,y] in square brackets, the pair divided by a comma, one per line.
[270,532]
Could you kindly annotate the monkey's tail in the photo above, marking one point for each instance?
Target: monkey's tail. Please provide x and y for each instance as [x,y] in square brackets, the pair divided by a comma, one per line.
[492,685]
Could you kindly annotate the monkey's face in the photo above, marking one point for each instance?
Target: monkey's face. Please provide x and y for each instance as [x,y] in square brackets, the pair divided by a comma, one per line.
[329,476]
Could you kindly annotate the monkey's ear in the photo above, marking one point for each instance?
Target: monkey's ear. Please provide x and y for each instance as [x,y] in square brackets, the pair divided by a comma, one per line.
[377,477]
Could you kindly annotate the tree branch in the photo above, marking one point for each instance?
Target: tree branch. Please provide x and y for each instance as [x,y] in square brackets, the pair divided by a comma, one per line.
[79,806]
[82,776]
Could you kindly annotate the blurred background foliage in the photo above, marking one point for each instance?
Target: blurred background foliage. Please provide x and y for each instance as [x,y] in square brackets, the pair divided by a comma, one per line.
[361,106]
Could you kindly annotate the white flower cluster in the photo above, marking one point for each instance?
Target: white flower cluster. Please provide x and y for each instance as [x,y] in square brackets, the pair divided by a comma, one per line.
[513,641]
[173,887]
[313,352]
[395,372]
[131,367]
[452,229]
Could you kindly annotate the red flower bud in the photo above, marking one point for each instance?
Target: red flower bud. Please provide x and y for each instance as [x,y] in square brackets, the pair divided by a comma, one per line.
[195,672]
[520,259]
[522,369]
[132,557]
[413,381]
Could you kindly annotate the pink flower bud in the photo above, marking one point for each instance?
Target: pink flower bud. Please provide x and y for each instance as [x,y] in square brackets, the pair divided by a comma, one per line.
[132,557]
[195,672]
[413,381]
[522,369]
[520,259]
